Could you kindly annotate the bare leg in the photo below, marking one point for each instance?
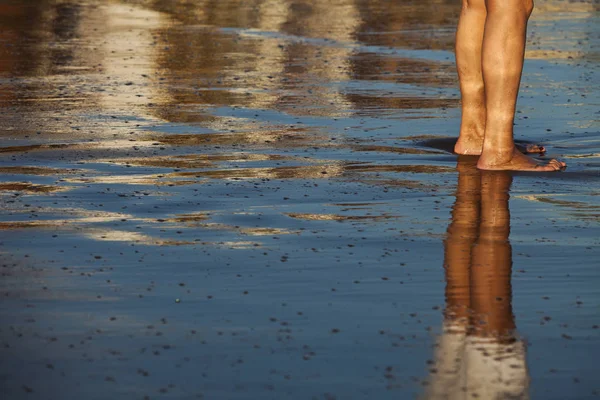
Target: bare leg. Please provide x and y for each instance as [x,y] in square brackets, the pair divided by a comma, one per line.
[469,39]
[503,52]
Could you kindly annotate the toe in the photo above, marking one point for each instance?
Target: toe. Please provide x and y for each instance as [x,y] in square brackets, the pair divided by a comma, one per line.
[534,148]
[556,165]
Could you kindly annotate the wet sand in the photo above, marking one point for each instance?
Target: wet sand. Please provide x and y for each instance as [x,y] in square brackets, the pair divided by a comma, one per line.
[244,200]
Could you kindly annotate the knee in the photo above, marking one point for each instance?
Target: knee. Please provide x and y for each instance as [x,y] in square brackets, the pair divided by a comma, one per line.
[523,7]
[478,5]
[528,7]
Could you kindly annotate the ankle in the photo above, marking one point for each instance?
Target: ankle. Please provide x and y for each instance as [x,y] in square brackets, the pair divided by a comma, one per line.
[498,147]
[471,131]
[499,153]
[498,141]
[472,124]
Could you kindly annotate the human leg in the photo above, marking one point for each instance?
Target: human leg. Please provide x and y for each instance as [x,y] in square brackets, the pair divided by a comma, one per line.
[469,39]
[503,52]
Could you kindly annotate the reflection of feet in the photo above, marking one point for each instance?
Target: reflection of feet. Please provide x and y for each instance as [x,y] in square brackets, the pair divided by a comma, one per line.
[515,161]
[471,145]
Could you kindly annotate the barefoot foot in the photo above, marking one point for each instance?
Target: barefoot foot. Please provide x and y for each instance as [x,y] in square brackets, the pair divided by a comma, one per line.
[530,148]
[471,145]
[514,160]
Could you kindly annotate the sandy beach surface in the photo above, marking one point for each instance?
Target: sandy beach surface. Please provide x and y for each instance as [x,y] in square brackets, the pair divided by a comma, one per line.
[258,200]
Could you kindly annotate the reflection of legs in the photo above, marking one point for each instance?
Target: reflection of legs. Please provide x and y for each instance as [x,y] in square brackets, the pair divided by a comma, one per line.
[492,260]
[487,363]
[495,359]
[447,381]
[462,233]
[502,63]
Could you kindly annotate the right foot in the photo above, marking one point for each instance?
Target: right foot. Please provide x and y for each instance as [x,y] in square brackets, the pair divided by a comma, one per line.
[515,161]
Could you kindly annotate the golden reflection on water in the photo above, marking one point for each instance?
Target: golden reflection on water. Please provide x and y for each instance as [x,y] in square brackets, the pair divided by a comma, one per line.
[115,235]
[249,231]
[189,161]
[41,171]
[339,217]
[152,51]
[91,78]
[175,61]
[130,47]
[479,355]
[291,55]
[30,187]
[106,79]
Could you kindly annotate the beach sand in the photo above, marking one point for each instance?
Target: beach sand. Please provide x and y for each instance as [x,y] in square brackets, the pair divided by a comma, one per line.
[258,200]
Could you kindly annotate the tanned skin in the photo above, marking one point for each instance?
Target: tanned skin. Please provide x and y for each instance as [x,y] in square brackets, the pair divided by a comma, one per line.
[490,50]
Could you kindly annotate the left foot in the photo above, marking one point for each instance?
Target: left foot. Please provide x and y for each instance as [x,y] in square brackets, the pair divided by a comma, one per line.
[469,145]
